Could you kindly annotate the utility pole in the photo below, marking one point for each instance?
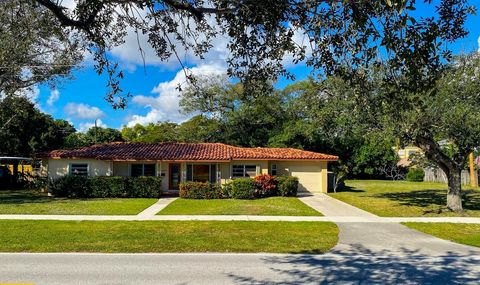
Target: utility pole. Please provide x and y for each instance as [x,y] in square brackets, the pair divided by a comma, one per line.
[473,173]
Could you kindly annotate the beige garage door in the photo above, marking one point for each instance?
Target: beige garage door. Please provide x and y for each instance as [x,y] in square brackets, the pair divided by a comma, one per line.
[309,175]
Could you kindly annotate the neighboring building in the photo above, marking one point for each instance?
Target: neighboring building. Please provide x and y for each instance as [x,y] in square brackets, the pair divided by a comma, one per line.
[408,151]
[405,155]
[178,162]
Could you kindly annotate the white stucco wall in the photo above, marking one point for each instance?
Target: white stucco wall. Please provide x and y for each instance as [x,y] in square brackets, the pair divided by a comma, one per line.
[312,175]
[61,167]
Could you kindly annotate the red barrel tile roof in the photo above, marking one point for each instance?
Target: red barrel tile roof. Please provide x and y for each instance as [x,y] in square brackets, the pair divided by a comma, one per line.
[185,152]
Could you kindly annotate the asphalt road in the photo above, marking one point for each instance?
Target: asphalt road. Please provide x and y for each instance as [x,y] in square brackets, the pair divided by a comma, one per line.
[333,267]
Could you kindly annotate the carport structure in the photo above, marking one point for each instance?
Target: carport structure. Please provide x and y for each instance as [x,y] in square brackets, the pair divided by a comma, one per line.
[11,166]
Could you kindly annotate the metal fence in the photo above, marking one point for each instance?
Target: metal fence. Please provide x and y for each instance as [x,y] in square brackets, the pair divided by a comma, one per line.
[437,175]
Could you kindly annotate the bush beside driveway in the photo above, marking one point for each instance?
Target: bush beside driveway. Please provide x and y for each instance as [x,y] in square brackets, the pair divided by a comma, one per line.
[405,199]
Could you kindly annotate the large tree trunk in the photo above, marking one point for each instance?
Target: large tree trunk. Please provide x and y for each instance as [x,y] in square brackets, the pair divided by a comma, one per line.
[451,167]
[454,194]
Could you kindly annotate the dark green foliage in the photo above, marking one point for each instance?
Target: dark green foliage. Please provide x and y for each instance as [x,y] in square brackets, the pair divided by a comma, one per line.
[144,187]
[25,131]
[71,186]
[243,188]
[415,174]
[287,186]
[201,190]
[109,186]
[94,135]
[227,189]
[106,187]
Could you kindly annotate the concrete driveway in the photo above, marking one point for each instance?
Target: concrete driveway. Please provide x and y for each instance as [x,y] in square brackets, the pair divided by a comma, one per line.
[374,236]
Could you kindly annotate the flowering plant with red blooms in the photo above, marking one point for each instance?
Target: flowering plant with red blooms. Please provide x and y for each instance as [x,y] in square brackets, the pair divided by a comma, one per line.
[266,185]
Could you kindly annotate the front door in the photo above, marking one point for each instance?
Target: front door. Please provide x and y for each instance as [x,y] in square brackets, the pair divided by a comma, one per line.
[174,177]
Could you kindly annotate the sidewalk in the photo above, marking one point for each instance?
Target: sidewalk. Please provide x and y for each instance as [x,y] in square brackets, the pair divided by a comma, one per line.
[333,210]
[335,219]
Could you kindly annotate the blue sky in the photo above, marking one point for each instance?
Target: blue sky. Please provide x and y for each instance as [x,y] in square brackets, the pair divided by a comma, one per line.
[155,97]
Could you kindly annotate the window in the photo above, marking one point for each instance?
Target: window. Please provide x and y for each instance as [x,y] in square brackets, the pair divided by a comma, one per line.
[273,170]
[237,171]
[142,170]
[202,172]
[79,169]
[244,171]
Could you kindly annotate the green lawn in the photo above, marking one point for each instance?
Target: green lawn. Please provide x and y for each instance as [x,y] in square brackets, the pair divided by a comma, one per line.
[30,202]
[167,236]
[273,206]
[462,233]
[405,199]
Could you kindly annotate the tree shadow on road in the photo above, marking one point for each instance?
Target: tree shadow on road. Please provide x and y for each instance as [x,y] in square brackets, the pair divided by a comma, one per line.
[362,266]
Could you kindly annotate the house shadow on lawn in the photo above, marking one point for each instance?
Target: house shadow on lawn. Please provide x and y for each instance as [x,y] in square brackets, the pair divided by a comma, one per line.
[362,266]
[23,197]
[430,197]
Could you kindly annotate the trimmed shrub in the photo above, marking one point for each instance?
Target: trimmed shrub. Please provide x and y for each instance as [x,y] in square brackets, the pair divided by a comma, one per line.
[201,190]
[266,185]
[71,186]
[106,187]
[287,186]
[243,188]
[415,175]
[227,189]
[144,187]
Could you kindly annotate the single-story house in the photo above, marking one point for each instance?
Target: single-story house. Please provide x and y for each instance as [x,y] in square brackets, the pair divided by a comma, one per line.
[178,162]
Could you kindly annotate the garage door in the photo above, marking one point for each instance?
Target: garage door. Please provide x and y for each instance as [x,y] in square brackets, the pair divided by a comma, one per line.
[309,175]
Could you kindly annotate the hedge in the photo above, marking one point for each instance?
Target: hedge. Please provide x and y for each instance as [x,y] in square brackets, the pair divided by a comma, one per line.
[243,188]
[201,190]
[415,175]
[287,186]
[106,187]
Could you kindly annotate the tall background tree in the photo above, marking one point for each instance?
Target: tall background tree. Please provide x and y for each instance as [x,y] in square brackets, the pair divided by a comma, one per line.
[25,131]
[34,48]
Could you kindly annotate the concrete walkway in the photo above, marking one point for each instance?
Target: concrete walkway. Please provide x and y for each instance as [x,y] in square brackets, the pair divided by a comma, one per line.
[332,207]
[157,207]
[334,211]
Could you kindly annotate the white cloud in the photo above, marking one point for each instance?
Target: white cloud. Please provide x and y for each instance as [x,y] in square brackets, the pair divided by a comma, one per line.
[302,40]
[130,56]
[54,96]
[31,93]
[82,111]
[70,4]
[478,41]
[83,127]
[165,106]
